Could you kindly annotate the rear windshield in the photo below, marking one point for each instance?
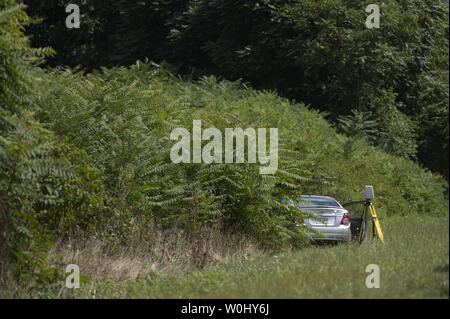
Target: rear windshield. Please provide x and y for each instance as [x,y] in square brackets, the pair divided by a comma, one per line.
[309,201]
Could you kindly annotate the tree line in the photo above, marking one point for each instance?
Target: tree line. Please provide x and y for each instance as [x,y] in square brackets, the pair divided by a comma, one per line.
[388,84]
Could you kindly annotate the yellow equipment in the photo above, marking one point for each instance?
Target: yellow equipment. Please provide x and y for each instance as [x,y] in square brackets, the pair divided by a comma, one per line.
[359,225]
[369,208]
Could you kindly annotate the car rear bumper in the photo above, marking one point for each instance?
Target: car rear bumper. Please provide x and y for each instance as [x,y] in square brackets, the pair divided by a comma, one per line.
[339,233]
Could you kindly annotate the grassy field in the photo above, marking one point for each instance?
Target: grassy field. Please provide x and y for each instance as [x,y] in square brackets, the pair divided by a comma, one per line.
[414,263]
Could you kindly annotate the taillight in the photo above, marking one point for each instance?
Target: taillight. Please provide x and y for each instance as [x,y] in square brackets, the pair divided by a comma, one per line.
[345,219]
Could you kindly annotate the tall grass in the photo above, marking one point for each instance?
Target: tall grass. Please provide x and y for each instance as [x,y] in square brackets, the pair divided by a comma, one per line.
[156,252]
[413,263]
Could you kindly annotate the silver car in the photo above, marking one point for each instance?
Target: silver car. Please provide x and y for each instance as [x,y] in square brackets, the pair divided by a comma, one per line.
[333,220]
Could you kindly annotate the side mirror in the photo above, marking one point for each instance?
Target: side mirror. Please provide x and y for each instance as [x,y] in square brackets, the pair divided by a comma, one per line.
[368,192]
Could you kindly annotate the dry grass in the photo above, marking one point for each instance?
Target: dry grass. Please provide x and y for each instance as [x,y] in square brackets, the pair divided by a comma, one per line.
[162,252]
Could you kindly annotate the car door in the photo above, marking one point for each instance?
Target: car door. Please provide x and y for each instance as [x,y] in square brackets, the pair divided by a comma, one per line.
[356,211]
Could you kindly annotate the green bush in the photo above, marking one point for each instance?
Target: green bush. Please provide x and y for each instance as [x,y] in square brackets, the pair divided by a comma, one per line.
[43,181]
[30,171]
[122,118]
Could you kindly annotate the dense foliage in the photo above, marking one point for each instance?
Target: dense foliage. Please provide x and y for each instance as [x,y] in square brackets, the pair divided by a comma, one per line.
[30,169]
[316,52]
[89,45]
[88,155]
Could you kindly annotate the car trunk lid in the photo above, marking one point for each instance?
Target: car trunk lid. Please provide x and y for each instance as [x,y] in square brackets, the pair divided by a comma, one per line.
[326,216]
